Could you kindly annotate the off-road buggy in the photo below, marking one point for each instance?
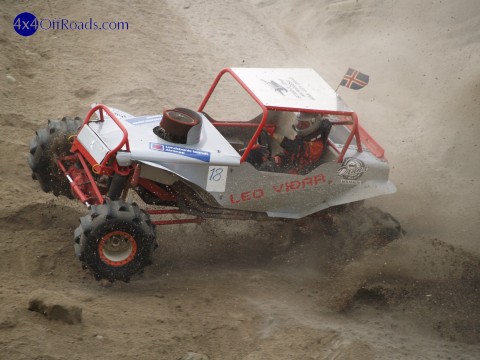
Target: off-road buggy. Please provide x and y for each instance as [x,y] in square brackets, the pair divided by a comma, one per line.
[187,162]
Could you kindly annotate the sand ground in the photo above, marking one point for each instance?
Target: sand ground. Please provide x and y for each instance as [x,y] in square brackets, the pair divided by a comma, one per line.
[233,290]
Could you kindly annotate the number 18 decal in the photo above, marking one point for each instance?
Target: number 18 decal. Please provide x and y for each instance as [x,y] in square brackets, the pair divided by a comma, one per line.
[217,178]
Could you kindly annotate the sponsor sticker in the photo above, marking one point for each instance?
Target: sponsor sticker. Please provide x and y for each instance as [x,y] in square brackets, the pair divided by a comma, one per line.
[290,86]
[351,171]
[191,153]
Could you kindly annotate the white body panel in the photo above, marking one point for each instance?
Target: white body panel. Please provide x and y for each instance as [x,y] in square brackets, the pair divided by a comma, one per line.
[211,163]
[291,88]
[212,147]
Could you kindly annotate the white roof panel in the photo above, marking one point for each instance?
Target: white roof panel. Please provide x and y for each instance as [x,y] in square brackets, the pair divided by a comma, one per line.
[291,88]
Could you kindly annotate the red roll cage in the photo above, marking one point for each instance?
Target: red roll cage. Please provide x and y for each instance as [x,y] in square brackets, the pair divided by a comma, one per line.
[355,128]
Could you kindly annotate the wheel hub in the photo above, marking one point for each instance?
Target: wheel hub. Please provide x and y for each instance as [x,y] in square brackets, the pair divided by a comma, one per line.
[117,248]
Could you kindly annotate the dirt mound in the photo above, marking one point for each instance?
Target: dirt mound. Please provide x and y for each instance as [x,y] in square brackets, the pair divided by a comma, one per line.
[41,217]
[328,242]
[368,261]
[55,306]
[426,280]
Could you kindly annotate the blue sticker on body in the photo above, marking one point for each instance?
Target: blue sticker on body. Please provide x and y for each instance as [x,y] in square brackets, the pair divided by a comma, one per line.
[144,119]
[191,153]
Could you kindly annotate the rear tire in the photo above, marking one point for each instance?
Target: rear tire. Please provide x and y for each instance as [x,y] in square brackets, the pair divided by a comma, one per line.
[115,241]
[49,144]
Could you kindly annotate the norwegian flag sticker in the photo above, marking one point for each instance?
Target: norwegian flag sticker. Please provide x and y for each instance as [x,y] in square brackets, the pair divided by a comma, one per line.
[354,79]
